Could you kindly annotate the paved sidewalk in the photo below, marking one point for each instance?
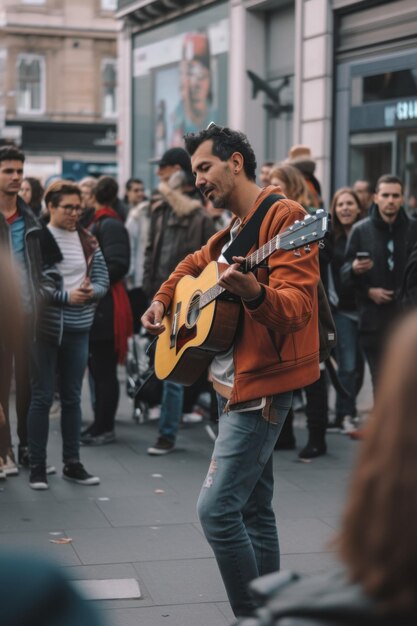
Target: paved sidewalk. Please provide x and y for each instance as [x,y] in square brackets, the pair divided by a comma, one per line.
[141,522]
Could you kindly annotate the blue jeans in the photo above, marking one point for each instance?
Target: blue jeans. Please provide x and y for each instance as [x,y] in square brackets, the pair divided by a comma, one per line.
[347,350]
[171,409]
[69,360]
[235,502]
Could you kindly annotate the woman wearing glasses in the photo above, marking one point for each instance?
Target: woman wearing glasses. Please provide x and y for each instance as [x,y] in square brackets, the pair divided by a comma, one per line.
[78,279]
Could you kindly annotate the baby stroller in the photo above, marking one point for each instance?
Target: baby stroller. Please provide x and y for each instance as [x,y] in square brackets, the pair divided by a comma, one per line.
[141,383]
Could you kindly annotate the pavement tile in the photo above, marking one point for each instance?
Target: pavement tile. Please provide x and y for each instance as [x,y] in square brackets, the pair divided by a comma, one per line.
[309,563]
[38,543]
[157,508]
[30,516]
[180,615]
[193,580]
[314,504]
[126,545]
[303,535]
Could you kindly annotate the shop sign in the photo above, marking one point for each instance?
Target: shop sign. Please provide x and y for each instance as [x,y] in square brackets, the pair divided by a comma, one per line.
[404,111]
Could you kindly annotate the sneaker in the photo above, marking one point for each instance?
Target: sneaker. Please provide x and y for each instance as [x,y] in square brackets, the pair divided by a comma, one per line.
[98,440]
[55,410]
[77,473]
[192,418]
[23,456]
[9,467]
[162,446]
[38,479]
[50,469]
[349,425]
[154,412]
[2,472]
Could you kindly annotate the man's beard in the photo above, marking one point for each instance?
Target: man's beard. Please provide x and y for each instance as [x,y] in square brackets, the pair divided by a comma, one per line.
[219,202]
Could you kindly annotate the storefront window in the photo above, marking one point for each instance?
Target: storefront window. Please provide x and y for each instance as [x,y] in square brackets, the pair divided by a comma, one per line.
[387,86]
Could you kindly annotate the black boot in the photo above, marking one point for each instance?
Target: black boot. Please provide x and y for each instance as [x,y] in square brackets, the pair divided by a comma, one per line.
[316,444]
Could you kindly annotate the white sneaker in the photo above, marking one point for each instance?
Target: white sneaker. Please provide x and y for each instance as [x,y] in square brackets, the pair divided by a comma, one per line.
[154,413]
[9,467]
[192,418]
[349,425]
[55,410]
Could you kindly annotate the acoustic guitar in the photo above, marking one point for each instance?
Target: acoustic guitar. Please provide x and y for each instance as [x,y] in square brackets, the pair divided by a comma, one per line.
[203,316]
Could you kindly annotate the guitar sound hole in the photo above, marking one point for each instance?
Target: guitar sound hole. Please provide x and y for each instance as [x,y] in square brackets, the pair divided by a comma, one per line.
[193,312]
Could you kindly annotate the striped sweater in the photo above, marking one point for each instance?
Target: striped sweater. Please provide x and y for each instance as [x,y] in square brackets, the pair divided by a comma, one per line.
[58,314]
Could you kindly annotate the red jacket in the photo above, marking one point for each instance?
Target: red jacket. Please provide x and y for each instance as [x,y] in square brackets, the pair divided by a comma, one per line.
[276,347]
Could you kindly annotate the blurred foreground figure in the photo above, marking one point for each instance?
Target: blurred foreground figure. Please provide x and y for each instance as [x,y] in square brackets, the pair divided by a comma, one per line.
[34,592]
[377,544]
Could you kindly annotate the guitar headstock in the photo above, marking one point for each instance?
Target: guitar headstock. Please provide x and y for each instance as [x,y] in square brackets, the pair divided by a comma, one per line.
[304,232]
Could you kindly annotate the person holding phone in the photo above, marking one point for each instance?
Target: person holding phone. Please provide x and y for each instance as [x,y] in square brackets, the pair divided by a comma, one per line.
[345,210]
[374,265]
[75,266]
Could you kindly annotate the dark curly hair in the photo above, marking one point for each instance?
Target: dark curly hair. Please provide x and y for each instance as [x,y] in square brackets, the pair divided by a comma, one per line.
[225,142]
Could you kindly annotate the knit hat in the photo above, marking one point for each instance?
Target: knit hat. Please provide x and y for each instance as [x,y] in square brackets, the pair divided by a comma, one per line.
[300,156]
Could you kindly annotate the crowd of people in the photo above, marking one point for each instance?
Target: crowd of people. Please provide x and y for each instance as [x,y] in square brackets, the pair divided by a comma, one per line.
[92,262]
[83,271]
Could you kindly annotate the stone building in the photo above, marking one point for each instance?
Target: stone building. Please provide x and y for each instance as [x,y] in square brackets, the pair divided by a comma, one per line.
[58,80]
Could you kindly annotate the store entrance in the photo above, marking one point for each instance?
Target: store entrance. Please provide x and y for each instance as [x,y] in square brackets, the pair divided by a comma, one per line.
[370,155]
[394,152]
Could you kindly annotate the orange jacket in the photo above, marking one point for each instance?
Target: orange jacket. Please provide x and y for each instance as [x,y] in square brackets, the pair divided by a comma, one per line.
[276,347]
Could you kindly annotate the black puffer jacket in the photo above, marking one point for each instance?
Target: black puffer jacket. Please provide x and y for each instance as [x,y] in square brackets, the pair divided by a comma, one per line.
[113,239]
[320,600]
[372,235]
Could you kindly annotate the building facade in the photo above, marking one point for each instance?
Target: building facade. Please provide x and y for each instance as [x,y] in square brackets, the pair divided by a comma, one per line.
[58,84]
[336,75]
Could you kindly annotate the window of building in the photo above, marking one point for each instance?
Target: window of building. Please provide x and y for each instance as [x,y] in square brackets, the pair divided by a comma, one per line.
[109,78]
[387,86]
[30,83]
[108,5]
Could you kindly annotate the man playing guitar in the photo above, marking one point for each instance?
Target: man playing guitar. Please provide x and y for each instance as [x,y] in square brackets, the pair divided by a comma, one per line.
[275,350]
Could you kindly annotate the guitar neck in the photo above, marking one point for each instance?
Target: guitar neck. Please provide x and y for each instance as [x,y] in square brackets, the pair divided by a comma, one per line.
[252,261]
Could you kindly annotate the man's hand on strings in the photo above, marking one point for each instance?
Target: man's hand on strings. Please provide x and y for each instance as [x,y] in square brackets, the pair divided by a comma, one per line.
[244,286]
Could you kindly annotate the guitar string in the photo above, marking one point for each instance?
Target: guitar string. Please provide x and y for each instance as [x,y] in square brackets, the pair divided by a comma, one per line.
[251,261]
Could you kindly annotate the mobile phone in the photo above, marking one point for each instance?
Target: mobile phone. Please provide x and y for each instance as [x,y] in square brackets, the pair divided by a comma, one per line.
[362,256]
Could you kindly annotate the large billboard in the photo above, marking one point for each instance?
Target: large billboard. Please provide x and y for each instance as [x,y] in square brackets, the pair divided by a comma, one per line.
[179,83]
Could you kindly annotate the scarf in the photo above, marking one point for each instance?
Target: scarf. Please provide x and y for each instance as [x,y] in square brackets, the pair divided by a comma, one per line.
[122,312]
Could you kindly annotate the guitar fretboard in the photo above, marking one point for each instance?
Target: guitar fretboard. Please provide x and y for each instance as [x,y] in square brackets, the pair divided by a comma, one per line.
[250,262]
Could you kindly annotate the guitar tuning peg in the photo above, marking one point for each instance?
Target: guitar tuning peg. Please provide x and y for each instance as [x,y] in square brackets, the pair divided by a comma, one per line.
[307,248]
[321,244]
[297,253]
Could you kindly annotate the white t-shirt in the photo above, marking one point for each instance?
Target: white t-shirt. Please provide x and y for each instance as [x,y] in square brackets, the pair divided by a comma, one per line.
[73,267]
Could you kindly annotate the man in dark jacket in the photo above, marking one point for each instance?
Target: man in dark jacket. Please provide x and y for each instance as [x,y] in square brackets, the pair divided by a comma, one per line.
[375,263]
[113,318]
[179,226]
[19,236]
